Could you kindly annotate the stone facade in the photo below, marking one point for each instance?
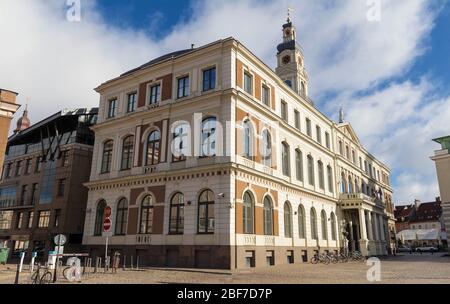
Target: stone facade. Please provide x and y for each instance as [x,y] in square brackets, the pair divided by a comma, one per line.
[267,208]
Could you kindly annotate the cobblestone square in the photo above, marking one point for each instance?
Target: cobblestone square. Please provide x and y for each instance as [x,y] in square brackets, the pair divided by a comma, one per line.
[403,269]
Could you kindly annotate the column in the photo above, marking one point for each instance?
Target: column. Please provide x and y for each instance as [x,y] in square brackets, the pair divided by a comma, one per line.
[374,226]
[370,226]
[362,224]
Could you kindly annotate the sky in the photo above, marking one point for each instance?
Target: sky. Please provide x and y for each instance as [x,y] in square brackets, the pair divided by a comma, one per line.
[386,62]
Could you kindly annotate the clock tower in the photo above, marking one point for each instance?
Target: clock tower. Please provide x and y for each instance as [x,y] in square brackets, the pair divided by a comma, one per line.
[290,60]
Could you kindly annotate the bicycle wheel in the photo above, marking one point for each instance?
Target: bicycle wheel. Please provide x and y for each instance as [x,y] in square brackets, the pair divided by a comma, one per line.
[47,278]
[327,260]
[34,277]
[314,260]
[65,273]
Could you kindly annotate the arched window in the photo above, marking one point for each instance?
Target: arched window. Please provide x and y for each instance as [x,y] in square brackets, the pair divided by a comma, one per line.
[333,226]
[323,218]
[330,179]
[121,217]
[176,217]
[285,159]
[363,186]
[313,218]
[350,184]
[248,213]
[267,148]
[208,144]
[206,212]
[343,183]
[311,170]
[356,186]
[153,148]
[107,156]
[321,175]
[99,216]
[181,142]
[127,153]
[299,164]
[268,216]
[248,140]
[146,224]
[303,88]
[341,148]
[301,222]
[287,220]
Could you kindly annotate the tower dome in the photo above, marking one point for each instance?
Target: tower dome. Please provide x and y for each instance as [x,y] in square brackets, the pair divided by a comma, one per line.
[23,122]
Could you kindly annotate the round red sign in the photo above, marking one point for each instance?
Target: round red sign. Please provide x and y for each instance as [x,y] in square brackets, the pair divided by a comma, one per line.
[107,225]
[108,211]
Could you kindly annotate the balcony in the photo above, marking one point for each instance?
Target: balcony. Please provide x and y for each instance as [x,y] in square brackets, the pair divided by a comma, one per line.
[355,199]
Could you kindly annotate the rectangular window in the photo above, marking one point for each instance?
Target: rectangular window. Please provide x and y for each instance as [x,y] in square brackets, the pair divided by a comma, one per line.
[131,105]
[284,110]
[30,219]
[23,194]
[248,83]
[183,87]
[327,140]
[18,168]
[19,220]
[34,191]
[209,79]
[65,159]
[319,134]
[353,156]
[8,170]
[8,197]
[6,220]
[57,218]
[28,166]
[112,108]
[61,187]
[155,94]
[360,163]
[297,119]
[44,219]
[266,95]
[37,169]
[308,127]
[48,183]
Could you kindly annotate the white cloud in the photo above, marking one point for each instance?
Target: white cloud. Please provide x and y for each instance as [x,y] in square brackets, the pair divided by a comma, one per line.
[57,63]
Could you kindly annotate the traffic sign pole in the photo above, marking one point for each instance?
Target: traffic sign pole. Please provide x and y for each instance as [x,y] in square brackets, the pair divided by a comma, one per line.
[57,261]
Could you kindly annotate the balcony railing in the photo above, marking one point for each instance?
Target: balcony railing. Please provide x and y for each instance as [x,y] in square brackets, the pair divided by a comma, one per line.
[361,196]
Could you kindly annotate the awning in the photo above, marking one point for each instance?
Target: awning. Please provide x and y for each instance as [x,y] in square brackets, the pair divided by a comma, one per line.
[419,235]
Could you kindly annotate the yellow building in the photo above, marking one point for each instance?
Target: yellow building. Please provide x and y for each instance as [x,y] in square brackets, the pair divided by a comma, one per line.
[8,107]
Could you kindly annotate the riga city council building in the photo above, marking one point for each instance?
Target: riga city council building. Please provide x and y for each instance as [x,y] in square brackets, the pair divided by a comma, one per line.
[209,158]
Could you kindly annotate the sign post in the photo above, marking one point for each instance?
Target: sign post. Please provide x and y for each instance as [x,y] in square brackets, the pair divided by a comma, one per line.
[106,230]
[59,240]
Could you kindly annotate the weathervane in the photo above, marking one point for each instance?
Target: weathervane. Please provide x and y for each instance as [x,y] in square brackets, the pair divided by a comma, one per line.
[290,10]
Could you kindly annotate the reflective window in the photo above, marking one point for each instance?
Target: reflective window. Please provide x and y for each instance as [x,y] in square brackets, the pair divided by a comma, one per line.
[206,212]
[121,217]
[153,148]
[146,223]
[176,218]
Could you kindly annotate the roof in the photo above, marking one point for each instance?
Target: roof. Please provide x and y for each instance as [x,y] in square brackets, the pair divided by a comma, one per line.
[290,45]
[9,91]
[444,141]
[61,115]
[159,59]
[402,213]
[428,212]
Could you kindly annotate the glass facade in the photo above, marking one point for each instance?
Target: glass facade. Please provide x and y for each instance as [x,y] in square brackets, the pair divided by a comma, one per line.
[48,182]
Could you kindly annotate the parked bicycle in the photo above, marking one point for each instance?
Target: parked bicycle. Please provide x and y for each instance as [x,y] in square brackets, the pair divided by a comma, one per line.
[41,275]
[323,258]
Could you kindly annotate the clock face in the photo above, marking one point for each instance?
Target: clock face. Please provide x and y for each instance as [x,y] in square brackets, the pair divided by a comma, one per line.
[288,32]
[286,59]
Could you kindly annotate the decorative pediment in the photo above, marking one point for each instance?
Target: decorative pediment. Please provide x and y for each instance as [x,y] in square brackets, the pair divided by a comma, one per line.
[349,132]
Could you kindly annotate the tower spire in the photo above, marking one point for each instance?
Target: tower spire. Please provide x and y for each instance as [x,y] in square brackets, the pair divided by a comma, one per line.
[289,11]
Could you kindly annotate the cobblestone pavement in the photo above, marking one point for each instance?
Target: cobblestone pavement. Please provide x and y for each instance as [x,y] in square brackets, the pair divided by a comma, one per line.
[403,269]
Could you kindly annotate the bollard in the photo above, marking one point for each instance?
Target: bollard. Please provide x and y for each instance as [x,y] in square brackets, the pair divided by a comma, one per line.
[124,262]
[16,281]
[33,257]
[132,263]
[22,256]
[137,263]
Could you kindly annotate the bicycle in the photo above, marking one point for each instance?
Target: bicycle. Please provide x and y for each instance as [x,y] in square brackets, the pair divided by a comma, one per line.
[322,258]
[357,256]
[45,278]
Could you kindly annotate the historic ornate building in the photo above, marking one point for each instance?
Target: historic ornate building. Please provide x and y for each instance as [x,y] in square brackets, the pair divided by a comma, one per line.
[8,107]
[209,158]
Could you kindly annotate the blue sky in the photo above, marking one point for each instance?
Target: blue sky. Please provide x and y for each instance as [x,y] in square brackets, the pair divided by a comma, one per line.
[390,76]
